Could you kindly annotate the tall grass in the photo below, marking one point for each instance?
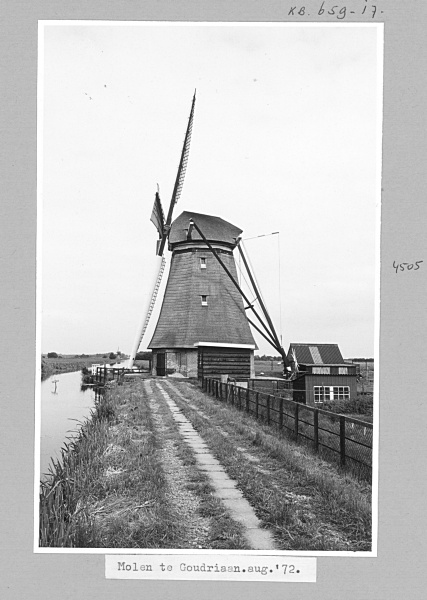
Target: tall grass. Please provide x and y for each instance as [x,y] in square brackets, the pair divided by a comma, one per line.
[64,519]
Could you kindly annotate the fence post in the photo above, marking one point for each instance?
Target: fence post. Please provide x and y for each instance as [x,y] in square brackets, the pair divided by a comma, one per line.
[240,398]
[296,420]
[268,409]
[281,414]
[342,440]
[256,404]
[216,389]
[316,429]
[247,399]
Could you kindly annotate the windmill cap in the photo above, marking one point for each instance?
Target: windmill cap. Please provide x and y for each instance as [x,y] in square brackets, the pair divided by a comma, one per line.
[214,229]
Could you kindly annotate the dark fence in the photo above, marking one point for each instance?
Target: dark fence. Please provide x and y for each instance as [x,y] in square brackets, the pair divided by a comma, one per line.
[334,436]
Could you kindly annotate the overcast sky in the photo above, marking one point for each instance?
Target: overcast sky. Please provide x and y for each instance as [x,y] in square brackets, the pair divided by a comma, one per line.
[285,138]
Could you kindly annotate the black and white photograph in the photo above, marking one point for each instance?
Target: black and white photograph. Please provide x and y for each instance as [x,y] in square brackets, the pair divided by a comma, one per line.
[208,230]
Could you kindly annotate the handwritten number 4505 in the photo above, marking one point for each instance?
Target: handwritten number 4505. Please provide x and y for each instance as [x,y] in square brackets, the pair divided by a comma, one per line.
[407,266]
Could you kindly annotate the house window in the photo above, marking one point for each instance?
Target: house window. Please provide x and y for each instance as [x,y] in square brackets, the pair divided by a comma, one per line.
[342,371]
[321,370]
[203,263]
[204,300]
[319,394]
[324,393]
[341,393]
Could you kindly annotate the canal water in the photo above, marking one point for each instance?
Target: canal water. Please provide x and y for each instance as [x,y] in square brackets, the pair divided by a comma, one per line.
[63,403]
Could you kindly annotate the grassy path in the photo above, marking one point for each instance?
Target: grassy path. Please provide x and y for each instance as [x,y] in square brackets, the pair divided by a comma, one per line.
[308,503]
[131,481]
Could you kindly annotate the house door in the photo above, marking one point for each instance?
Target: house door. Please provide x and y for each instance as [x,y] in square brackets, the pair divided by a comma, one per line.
[161,363]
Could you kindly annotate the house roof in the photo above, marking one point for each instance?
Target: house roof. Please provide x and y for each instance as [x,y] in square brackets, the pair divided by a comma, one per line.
[316,354]
[214,229]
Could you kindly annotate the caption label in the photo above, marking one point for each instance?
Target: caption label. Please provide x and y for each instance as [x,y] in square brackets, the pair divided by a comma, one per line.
[211,567]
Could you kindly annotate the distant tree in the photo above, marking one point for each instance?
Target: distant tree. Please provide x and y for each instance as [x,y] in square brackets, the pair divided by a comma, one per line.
[104,356]
[143,355]
[52,355]
[112,356]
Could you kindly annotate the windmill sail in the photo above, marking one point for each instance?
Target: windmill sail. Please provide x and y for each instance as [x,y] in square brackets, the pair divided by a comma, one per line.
[157,217]
[179,181]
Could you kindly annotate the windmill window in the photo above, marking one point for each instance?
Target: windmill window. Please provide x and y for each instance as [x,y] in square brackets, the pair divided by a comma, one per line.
[203,263]
[204,300]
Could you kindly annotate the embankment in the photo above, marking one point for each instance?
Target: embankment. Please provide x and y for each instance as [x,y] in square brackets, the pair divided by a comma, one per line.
[52,368]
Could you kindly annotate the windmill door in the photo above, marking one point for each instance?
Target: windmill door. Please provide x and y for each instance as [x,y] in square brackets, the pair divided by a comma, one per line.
[161,363]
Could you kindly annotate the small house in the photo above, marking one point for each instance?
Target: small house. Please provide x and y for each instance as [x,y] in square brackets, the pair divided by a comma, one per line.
[320,374]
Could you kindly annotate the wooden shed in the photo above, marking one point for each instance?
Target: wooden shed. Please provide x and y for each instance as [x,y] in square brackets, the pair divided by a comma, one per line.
[321,374]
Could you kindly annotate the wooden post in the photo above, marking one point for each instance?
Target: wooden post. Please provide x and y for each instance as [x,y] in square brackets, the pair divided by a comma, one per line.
[239,397]
[342,440]
[247,399]
[256,404]
[281,414]
[316,429]
[296,420]
[268,409]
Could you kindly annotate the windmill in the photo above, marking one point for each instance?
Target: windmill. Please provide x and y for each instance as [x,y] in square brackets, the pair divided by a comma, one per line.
[203,327]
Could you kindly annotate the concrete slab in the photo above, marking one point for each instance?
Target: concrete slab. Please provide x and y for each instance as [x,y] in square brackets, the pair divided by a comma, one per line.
[199,450]
[196,446]
[227,492]
[211,468]
[222,480]
[207,459]
[260,539]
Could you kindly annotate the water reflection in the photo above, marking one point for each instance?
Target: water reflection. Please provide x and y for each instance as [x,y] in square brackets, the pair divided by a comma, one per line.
[65,404]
